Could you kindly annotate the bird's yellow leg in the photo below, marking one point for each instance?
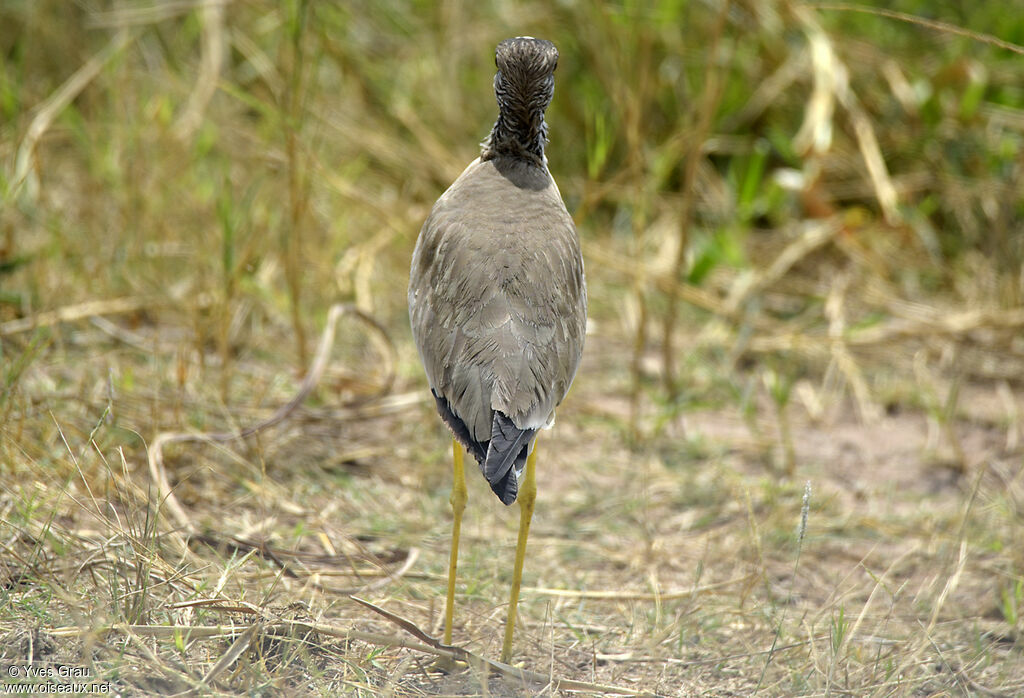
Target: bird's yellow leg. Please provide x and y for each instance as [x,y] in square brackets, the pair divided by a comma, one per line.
[527,497]
[458,502]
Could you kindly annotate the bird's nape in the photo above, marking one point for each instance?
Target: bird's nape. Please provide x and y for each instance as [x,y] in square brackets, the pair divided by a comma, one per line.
[523,87]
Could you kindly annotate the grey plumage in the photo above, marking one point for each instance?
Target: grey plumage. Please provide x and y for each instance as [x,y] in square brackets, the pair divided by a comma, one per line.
[497,297]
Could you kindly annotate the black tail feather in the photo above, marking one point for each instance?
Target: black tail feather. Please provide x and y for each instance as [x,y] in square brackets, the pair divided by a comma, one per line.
[501,458]
[508,447]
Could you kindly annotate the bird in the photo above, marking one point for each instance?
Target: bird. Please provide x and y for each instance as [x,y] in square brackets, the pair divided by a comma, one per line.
[498,302]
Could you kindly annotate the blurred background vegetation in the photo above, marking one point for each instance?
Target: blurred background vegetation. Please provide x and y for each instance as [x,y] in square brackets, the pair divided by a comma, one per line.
[263,161]
[793,214]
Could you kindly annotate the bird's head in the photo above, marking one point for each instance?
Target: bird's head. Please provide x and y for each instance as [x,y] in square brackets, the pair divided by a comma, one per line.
[525,81]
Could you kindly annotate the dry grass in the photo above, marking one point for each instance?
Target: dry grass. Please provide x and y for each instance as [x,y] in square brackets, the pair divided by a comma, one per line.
[791,464]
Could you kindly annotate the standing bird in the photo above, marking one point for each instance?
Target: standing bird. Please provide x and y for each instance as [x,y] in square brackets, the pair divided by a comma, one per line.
[498,302]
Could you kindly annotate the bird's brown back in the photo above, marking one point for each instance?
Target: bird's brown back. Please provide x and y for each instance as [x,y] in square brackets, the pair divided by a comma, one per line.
[497,296]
